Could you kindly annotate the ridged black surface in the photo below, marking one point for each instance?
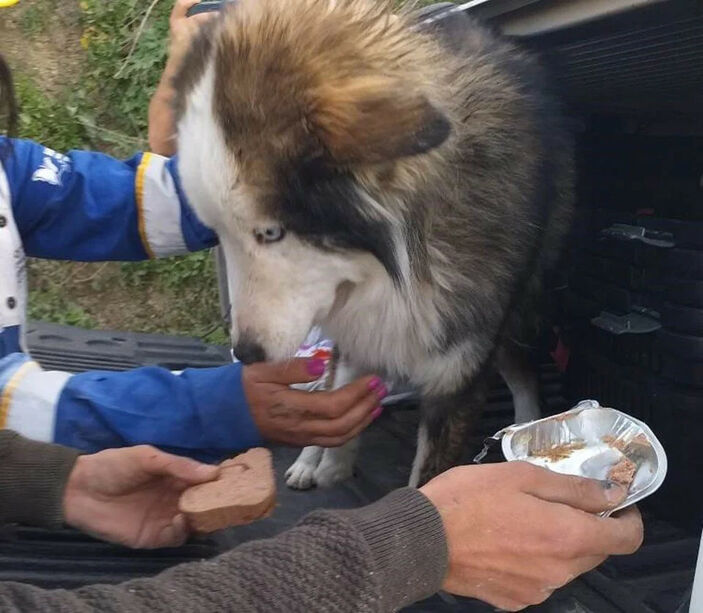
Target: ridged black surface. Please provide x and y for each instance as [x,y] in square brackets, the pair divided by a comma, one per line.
[652,581]
[643,60]
[75,350]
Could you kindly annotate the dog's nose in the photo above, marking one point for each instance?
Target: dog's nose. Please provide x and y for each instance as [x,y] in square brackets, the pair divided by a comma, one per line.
[248,351]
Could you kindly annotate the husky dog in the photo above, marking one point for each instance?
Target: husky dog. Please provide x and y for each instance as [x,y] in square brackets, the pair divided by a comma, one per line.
[404,194]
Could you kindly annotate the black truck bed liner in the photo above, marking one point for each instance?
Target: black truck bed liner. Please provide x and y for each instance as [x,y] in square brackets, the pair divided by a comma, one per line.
[655,580]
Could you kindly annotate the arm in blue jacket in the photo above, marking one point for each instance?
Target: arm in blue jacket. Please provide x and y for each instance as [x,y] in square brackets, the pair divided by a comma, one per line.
[88,206]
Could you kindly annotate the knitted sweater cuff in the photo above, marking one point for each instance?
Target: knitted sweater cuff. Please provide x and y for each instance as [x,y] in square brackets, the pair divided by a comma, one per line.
[405,534]
[33,477]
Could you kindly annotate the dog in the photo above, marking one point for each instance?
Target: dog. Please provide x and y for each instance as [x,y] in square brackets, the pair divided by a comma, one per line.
[404,193]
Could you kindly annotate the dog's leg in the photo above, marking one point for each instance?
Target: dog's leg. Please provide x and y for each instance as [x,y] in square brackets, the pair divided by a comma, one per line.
[325,467]
[337,464]
[300,474]
[446,424]
[522,379]
[420,455]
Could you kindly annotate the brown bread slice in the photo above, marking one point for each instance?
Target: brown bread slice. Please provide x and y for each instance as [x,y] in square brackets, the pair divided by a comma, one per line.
[244,491]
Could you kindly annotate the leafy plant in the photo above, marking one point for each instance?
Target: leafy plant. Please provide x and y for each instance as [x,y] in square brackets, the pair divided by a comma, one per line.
[118,85]
[105,108]
[47,120]
[52,305]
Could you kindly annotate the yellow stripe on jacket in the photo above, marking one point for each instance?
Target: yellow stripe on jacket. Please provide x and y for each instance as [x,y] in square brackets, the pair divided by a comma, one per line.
[139,192]
[6,398]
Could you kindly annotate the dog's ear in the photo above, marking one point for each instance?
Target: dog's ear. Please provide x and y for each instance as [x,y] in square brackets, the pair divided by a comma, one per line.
[369,120]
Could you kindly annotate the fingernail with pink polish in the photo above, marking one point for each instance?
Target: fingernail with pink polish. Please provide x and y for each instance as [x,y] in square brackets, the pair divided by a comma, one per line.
[316,367]
[382,392]
[376,413]
[374,383]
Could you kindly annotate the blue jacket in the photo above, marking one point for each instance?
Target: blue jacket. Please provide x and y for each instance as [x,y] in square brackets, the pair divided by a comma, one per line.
[87,206]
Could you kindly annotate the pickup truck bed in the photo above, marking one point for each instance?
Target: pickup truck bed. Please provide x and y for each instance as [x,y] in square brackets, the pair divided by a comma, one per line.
[655,580]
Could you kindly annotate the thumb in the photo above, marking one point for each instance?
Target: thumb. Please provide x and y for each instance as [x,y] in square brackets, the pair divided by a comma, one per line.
[160,463]
[297,370]
[180,8]
[589,495]
[174,534]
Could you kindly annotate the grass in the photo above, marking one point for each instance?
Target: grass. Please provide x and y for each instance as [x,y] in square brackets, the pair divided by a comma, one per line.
[51,121]
[99,109]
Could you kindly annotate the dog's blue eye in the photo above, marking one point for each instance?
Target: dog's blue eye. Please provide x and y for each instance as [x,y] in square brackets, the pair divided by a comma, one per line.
[272,234]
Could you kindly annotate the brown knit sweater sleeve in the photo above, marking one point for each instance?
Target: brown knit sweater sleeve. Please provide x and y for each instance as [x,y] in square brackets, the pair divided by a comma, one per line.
[375,559]
[32,479]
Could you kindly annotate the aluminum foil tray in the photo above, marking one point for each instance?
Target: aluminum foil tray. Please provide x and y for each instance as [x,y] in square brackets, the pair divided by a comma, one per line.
[592,441]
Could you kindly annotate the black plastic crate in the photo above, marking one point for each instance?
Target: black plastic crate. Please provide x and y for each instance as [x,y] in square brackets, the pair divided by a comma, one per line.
[608,336]
[676,420]
[670,396]
[686,234]
[685,292]
[621,274]
[616,299]
[688,320]
[580,307]
[627,388]
[685,264]
[633,252]
[681,370]
[683,346]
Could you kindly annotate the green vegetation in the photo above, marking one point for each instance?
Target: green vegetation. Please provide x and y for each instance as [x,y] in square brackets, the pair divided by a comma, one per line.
[47,120]
[54,306]
[102,104]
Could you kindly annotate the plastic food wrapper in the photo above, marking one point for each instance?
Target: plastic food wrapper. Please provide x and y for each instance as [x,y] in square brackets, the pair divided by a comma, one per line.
[590,441]
[316,345]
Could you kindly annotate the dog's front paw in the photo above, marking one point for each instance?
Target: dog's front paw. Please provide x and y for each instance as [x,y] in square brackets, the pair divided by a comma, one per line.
[300,476]
[329,473]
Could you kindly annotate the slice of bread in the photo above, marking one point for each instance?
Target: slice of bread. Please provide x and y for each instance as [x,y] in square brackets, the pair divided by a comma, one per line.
[244,491]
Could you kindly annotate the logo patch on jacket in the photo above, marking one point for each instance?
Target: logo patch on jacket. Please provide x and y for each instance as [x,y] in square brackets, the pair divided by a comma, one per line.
[52,168]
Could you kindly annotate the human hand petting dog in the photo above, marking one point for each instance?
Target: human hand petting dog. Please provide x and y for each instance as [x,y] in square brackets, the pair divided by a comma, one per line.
[130,495]
[300,418]
[517,532]
[182,30]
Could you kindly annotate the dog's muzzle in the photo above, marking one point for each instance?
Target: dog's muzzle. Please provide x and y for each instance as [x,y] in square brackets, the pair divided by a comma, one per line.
[248,351]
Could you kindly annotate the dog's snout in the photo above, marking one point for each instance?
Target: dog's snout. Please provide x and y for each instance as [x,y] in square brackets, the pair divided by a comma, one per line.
[248,351]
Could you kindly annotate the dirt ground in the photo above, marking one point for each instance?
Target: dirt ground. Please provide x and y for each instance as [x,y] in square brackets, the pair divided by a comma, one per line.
[48,51]
[53,55]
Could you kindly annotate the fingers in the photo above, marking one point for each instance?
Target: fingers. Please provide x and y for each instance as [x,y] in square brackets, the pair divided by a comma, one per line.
[328,439]
[159,463]
[322,419]
[297,370]
[173,535]
[507,591]
[578,534]
[180,8]
[628,524]
[337,403]
[357,391]
[584,532]
[348,420]
[588,495]
[201,18]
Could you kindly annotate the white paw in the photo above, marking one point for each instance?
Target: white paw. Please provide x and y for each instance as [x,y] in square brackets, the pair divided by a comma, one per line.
[301,475]
[329,474]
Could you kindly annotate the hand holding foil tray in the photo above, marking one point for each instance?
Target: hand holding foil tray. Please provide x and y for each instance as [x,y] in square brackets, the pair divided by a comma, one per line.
[591,441]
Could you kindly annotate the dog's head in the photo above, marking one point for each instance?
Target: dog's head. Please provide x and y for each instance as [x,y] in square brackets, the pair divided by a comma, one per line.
[302,127]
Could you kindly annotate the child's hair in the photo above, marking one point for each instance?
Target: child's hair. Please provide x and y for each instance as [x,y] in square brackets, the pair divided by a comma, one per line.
[8,106]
